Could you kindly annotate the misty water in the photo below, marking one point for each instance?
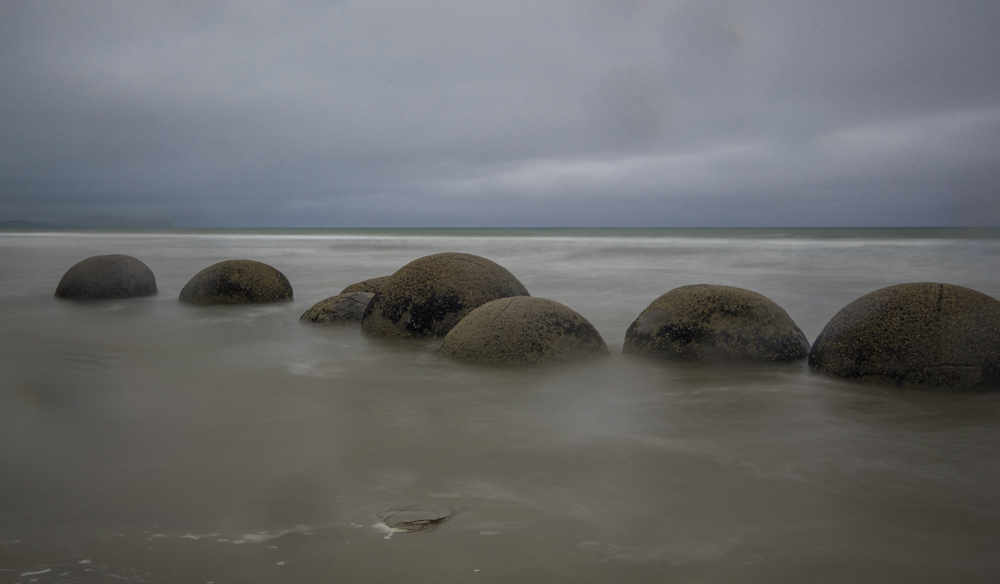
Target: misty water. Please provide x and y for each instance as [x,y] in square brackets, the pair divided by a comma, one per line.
[150,441]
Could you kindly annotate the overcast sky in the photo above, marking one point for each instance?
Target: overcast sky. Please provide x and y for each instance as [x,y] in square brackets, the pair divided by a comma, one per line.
[540,113]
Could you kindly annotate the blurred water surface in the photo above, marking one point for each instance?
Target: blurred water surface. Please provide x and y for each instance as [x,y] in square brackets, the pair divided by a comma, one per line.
[152,441]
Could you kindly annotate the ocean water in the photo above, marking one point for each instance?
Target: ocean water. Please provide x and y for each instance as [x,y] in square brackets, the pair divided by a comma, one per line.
[148,441]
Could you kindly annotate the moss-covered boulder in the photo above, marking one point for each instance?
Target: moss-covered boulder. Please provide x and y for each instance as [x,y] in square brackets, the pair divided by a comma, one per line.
[428,296]
[107,276]
[339,309]
[523,329]
[708,322]
[921,334]
[237,282]
[371,285]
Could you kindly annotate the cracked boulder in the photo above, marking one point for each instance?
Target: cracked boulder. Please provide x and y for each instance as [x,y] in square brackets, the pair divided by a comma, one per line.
[428,296]
[523,329]
[107,276]
[714,323]
[340,309]
[921,334]
[237,282]
[371,285]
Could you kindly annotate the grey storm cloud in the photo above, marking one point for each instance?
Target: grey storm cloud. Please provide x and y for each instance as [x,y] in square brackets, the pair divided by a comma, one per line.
[449,113]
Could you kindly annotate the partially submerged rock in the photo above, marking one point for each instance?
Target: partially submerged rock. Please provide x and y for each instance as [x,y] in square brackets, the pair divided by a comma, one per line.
[922,334]
[340,309]
[708,322]
[428,296]
[523,329]
[107,276]
[237,282]
[371,285]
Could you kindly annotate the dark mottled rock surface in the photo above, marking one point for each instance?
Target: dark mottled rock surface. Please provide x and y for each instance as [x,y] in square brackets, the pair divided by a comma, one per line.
[107,276]
[340,309]
[237,282]
[428,296]
[371,285]
[523,329]
[707,322]
[922,334]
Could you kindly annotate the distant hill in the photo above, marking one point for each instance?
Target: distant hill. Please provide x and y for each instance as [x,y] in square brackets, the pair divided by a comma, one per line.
[92,222]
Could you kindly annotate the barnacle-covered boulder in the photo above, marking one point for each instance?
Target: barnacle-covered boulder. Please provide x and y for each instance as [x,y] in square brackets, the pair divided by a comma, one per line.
[922,334]
[708,322]
[237,282]
[340,309]
[428,296]
[107,276]
[523,329]
[371,285]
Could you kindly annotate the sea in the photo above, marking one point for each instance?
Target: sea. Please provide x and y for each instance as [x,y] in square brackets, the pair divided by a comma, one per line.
[145,440]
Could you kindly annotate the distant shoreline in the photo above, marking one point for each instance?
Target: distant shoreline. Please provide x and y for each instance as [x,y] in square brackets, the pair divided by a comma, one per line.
[789,233]
[92,222]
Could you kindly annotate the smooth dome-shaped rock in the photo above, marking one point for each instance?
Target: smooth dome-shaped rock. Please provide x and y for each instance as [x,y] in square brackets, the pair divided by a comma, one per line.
[523,329]
[708,322]
[237,282]
[107,276]
[923,334]
[339,309]
[371,285]
[428,296]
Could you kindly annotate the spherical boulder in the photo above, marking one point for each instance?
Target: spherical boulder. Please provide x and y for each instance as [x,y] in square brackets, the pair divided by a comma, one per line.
[339,309]
[107,276]
[708,322]
[371,285]
[523,329]
[428,296]
[237,282]
[922,334]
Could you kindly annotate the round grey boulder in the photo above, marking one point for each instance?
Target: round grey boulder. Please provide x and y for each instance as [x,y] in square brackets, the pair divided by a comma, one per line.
[339,309]
[922,334]
[522,330]
[371,285]
[708,322]
[428,296]
[107,276]
[237,282]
